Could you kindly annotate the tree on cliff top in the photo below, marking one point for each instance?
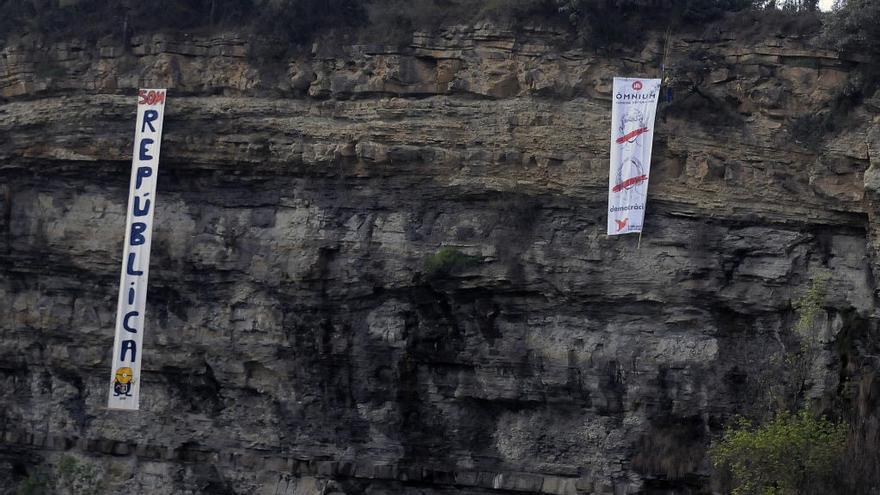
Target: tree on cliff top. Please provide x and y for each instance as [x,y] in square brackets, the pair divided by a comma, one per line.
[854,26]
[301,20]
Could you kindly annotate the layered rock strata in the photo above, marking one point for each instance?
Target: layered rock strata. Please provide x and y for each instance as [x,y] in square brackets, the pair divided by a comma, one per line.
[296,340]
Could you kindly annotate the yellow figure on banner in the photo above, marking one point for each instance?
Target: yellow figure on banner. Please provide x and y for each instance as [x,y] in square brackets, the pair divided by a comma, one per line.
[123,382]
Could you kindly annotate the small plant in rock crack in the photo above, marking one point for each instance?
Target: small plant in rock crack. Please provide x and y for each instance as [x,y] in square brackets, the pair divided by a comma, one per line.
[787,377]
[69,477]
[75,477]
[797,364]
[37,483]
[446,261]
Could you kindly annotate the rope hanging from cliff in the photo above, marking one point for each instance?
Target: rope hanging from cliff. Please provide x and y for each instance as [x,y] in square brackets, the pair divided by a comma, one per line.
[662,82]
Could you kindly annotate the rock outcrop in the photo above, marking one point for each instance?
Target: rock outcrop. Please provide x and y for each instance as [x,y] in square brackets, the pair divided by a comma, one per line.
[295,341]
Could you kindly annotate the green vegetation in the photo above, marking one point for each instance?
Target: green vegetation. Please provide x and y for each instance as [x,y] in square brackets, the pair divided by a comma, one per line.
[599,22]
[296,20]
[794,451]
[394,20]
[35,484]
[75,477]
[810,128]
[69,477]
[446,261]
[605,24]
[854,27]
[799,362]
[785,380]
[50,69]
[790,454]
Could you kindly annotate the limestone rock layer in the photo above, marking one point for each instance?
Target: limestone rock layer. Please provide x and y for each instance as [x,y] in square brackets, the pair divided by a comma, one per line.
[299,336]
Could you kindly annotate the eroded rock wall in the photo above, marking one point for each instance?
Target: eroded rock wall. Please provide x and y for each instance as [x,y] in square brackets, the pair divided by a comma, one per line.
[295,341]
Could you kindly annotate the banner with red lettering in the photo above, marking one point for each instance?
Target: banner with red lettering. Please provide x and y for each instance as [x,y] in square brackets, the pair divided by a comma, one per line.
[125,374]
[632,134]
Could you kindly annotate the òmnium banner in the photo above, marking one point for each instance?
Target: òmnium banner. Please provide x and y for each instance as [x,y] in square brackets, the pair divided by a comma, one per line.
[632,133]
[125,375]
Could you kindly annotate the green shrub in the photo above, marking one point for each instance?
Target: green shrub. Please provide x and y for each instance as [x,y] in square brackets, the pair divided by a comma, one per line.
[599,22]
[447,261]
[854,27]
[394,20]
[35,484]
[811,129]
[783,382]
[69,477]
[798,363]
[604,23]
[75,477]
[699,11]
[294,20]
[791,454]
[300,20]
[791,5]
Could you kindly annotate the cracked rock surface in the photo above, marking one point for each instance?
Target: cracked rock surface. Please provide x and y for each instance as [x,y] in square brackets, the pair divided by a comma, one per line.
[296,342]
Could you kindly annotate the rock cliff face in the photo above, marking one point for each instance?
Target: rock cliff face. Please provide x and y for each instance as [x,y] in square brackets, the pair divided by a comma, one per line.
[295,340]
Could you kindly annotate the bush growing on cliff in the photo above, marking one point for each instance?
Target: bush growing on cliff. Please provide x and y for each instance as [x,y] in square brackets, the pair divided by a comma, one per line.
[296,20]
[395,20]
[604,22]
[299,20]
[599,22]
[783,383]
[854,26]
[419,14]
[813,127]
[446,261]
[800,361]
[35,484]
[796,452]
[790,454]
[790,5]
[99,18]
[76,478]
[854,29]
[793,452]
[69,477]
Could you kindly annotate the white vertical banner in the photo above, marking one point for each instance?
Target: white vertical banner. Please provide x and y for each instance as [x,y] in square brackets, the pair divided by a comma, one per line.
[632,134]
[125,375]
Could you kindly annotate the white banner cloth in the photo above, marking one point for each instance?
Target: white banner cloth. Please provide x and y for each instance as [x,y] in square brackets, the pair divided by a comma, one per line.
[125,375]
[632,134]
